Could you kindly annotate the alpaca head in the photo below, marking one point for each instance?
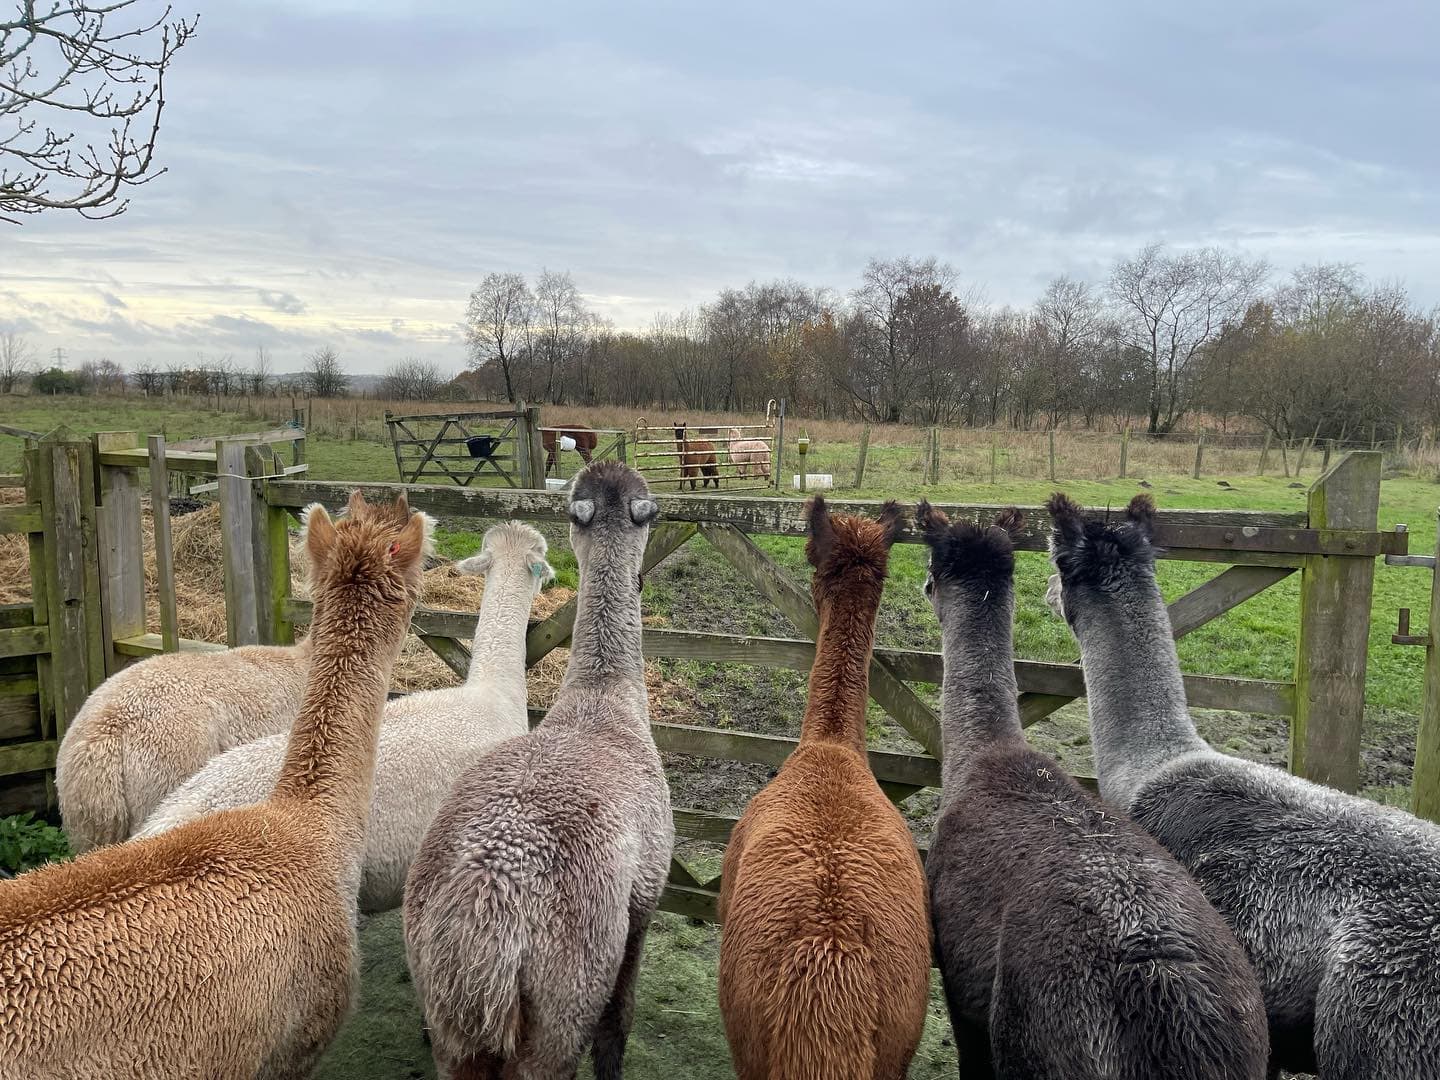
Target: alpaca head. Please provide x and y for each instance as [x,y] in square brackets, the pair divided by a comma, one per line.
[966,559]
[1100,561]
[516,544]
[368,564]
[680,431]
[610,514]
[849,554]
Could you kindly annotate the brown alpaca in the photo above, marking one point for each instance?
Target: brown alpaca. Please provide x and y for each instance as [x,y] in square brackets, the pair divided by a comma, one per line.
[226,948]
[585,438]
[697,458]
[825,949]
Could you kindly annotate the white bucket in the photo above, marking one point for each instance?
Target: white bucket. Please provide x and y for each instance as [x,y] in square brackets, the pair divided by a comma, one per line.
[555,483]
[813,480]
[566,442]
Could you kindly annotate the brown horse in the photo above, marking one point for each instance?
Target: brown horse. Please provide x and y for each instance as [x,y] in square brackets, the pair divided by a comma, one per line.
[697,458]
[585,442]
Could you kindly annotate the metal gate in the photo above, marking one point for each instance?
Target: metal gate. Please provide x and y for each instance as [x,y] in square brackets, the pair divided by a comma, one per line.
[739,457]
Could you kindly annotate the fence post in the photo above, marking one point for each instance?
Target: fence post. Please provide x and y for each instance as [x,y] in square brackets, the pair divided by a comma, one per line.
[992,461]
[39,592]
[620,447]
[537,449]
[1199,454]
[270,549]
[779,443]
[1052,455]
[1325,459]
[1124,450]
[1331,655]
[860,462]
[122,547]
[72,581]
[522,445]
[236,532]
[164,547]
[1264,455]
[1425,786]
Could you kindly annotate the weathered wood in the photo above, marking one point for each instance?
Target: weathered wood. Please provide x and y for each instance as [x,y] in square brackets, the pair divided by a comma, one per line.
[1199,454]
[1052,455]
[237,548]
[860,460]
[20,432]
[1425,786]
[665,538]
[886,688]
[96,645]
[19,714]
[455,655]
[63,477]
[1264,454]
[151,644]
[176,461]
[27,757]
[21,518]
[39,591]
[1124,450]
[122,547]
[1333,647]
[164,545]
[694,903]
[25,641]
[270,551]
[536,477]
[1224,591]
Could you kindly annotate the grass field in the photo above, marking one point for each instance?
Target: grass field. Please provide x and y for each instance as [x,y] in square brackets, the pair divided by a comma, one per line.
[677,1030]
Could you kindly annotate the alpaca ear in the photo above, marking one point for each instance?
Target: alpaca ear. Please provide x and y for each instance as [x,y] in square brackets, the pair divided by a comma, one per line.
[476,565]
[543,572]
[643,511]
[932,523]
[822,530]
[1141,513]
[582,511]
[1012,520]
[892,521]
[407,549]
[319,535]
[356,504]
[1068,517]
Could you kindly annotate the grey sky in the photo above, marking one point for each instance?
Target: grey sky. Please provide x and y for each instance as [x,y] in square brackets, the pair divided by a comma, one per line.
[346,172]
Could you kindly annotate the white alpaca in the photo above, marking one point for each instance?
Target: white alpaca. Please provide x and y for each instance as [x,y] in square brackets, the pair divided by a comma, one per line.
[427,739]
[747,452]
[146,729]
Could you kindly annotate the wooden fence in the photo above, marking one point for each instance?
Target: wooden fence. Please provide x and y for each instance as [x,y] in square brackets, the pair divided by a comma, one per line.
[82,515]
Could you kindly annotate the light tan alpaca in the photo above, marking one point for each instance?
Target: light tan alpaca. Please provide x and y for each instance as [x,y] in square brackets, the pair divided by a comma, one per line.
[226,948]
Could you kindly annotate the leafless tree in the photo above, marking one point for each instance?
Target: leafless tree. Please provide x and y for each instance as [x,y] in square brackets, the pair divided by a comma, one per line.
[413,380]
[72,71]
[148,379]
[262,371]
[559,320]
[1175,304]
[16,357]
[324,377]
[498,323]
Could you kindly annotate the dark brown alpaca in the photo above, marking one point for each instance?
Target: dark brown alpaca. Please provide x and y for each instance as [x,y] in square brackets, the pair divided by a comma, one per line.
[585,442]
[697,458]
[825,951]
[1072,947]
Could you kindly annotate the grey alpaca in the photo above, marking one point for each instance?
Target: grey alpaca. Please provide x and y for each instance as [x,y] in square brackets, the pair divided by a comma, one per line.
[1336,899]
[527,907]
[1071,946]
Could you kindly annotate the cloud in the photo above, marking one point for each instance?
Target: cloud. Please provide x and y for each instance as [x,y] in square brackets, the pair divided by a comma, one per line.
[286,303]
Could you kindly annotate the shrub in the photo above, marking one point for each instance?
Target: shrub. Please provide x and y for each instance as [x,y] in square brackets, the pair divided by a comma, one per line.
[54,381]
[26,843]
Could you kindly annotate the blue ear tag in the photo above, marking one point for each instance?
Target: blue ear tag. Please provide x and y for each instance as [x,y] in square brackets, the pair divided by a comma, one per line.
[538,569]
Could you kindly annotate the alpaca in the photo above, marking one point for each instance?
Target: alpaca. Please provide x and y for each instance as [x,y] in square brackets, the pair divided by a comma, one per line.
[226,948]
[1070,944]
[427,739]
[148,728]
[1336,899]
[747,452]
[825,947]
[697,458]
[585,438]
[527,906]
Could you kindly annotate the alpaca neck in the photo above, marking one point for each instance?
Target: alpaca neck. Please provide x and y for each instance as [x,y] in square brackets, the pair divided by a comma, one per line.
[1139,718]
[605,643]
[840,677]
[497,652]
[330,758]
[979,704]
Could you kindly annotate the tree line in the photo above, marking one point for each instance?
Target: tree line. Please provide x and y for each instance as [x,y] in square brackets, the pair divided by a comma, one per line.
[1167,335]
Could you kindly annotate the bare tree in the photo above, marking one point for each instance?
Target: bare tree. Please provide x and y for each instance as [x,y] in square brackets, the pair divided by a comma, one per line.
[148,379]
[498,324]
[324,377]
[413,380]
[1173,306]
[1066,332]
[71,71]
[16,356]
[257,379]
[560,318]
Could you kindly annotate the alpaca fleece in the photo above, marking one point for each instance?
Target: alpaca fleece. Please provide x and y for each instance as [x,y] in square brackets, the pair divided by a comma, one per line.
[226,948]
[1335,899]
[428,738]
[747,452]
[825,946]
[147,729]
[1071,946]
[527,907]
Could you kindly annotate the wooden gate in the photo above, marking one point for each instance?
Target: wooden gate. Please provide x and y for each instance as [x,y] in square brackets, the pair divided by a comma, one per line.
[466,447]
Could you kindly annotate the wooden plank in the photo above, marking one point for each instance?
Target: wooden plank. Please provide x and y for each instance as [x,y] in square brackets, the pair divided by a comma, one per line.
[1425,787]
[25,641]
[20,432]
[97,645]
[39,591]
[237,549]
[20,518]
[691,901]
[143,645]
[1333,647]
[27,757]
[176,461]
[16,615]
[19,715]
[65,572]
[455,655]
[164,545]
[1226,590]
[122,547]
[886,688]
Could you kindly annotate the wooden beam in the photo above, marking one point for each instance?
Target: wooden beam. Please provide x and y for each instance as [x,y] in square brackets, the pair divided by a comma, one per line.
[237,545]
[1224,591]
[143,645]
[164,545]
[21,518]
[178,461]
[455,655]
[27,757]
[25,641]
[122,547]
[1425,785]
